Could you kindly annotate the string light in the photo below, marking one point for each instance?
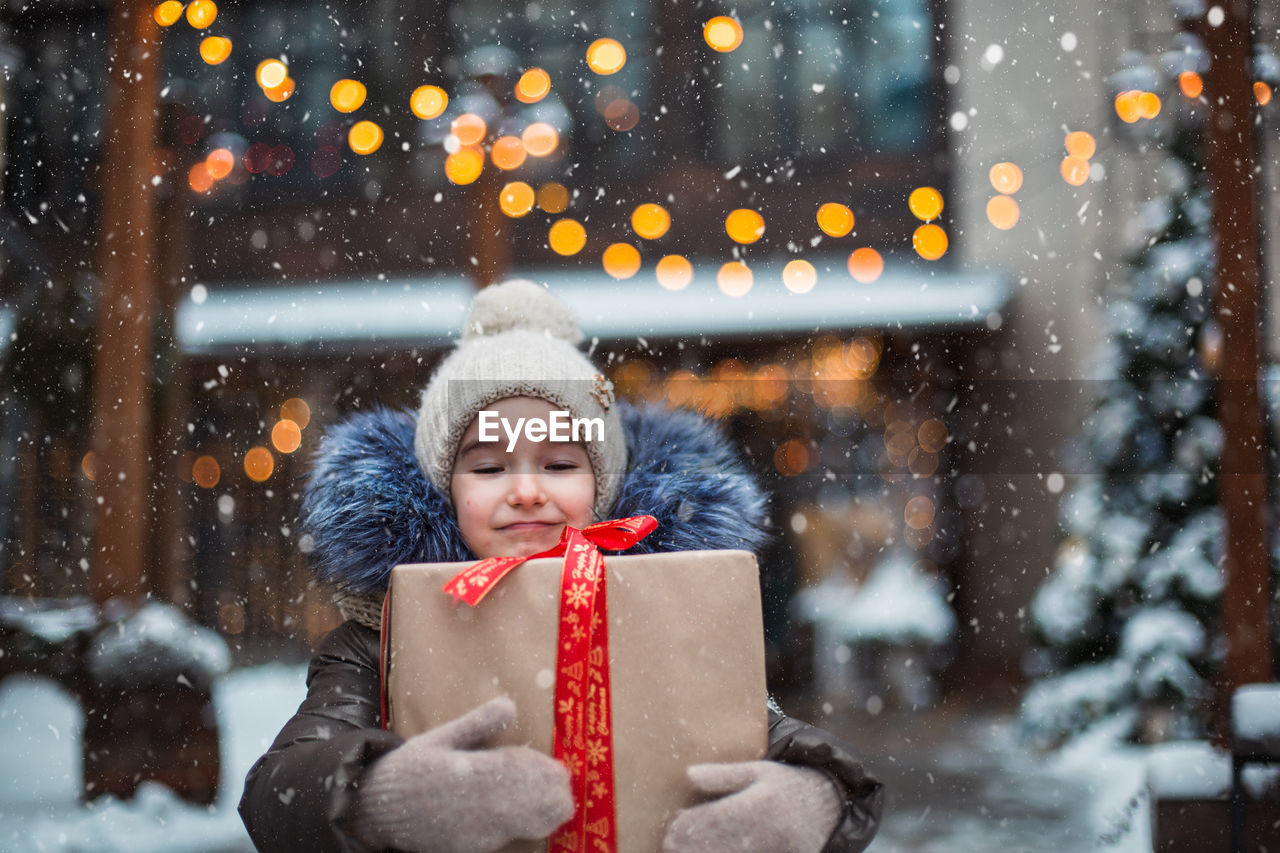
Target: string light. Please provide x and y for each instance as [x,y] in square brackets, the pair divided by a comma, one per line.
[428,102]
[365,137]
[835,220]
[722,33]
[674,272]
[606,56]
[202,13]
[215,50]
[567,237]
[650,221]
[347,96]
[744,226]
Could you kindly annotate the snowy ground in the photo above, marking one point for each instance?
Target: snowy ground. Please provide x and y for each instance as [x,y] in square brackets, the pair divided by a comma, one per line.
[958,781]
[40,755]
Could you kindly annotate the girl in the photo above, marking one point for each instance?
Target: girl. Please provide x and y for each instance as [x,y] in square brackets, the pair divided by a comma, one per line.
[388,488]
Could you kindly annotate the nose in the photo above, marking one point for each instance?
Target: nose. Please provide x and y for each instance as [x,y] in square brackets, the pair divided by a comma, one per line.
[526,490]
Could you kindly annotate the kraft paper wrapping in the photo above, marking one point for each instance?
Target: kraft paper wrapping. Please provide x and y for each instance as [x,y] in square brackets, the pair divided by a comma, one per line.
[686,647]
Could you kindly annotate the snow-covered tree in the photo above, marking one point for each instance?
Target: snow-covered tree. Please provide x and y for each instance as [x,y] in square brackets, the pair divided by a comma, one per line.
[1128,621]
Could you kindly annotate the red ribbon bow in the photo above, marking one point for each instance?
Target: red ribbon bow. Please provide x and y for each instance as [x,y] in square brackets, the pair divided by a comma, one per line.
[583,738]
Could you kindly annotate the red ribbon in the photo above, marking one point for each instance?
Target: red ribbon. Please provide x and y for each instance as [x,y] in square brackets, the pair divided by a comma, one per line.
[583,738]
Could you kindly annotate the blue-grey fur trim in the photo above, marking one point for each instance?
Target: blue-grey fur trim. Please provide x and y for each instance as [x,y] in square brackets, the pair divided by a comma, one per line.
[367,506]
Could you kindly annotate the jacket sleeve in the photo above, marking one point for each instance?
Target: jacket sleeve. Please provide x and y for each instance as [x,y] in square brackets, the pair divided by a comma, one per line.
[297,794]
[795,742]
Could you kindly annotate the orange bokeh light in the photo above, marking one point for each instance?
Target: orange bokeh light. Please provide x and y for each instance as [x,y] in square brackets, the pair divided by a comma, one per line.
[932,435]
[567,236]
[1191,84]
[1006,177]
[215,50]
[1262,92]
[1080,144]
[281,93]
[219,163]
[259,464]
[650,221]
[791,459]
[508,153]
[469,128]
[674,272]
[296,409]
[167,13]
[925,203]
[533,86]
[286,436]
[744,226]
[365,137]
[621,260]
[799,276]
[464,165]
[271,73]
[835,220]
[919,512]
[1127,107]
[540,139]
[347,96]
[89,466]
[205,472]
[1075,170]
[553,197]
[735,279]
[865,265]
[516,199]
[1148,105]
[621,115]
[428,101]
[202,13]
[1002,212]
[606,56]
[722,33]
[930,242]
[199,179]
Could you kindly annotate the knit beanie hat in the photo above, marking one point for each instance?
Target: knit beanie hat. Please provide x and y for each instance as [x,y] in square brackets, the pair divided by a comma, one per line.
[519,341]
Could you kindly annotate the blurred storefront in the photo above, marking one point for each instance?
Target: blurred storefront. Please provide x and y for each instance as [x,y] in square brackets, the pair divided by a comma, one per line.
[290,268]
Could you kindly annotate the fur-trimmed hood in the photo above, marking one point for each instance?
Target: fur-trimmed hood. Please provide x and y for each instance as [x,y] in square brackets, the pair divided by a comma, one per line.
[367,505]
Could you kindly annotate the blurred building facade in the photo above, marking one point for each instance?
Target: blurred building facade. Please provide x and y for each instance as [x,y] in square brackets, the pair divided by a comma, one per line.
[898,421]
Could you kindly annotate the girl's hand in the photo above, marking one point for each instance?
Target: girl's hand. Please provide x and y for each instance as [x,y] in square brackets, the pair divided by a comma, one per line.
[762,807]
[443,791]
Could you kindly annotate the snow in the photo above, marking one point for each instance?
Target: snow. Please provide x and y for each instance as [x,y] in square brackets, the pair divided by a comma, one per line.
[1115,773]
[8,322]
[39,748]
[40,728]
[1188,770]
[897,604]
[1153,630]
[157,642]
[1255,716]
[430,310]
[54,625]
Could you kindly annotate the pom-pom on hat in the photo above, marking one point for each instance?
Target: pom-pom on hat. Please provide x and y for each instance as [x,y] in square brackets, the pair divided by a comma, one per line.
[518,341]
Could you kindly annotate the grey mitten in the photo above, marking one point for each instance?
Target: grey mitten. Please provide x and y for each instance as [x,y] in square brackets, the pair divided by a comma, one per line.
[441,792]
[763,807]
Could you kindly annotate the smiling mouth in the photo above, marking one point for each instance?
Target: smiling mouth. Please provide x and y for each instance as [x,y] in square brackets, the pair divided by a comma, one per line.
[528,525]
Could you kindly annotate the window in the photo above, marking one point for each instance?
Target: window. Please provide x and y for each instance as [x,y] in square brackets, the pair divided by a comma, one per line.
[821,80]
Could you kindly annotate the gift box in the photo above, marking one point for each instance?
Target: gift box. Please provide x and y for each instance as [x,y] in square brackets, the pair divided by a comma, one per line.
[686,675]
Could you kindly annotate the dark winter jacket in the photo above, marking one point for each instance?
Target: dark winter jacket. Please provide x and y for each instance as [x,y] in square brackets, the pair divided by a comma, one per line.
[368,508]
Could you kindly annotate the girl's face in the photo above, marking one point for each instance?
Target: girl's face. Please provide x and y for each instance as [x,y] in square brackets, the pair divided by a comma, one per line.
[516,503]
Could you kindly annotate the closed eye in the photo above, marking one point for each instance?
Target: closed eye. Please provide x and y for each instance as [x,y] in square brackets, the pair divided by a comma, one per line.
[563,466]
[487,469]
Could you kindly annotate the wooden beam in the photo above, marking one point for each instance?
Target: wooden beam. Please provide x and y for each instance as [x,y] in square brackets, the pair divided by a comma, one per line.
[1238,301]
[122,364]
